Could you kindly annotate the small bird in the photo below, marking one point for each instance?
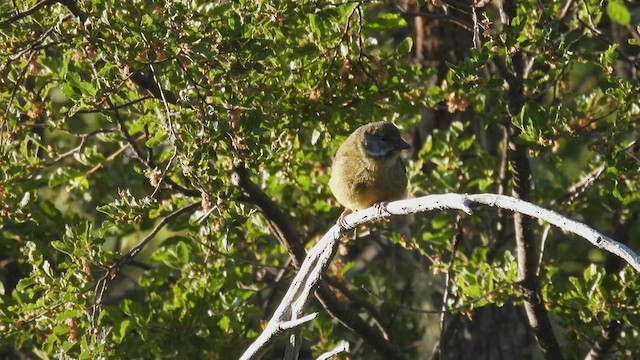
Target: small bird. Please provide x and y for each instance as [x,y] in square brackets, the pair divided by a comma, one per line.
[367,168]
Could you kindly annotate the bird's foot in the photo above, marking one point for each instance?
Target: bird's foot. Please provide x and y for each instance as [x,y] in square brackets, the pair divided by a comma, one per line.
[381,208]
[342,224]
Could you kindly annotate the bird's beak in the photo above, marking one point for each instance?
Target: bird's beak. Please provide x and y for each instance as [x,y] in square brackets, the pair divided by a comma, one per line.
[403,145]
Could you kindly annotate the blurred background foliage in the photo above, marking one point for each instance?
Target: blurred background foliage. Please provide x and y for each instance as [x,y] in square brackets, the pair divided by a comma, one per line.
[149,147]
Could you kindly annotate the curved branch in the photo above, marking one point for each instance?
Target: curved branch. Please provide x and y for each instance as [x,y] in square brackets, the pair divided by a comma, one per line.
[305,283]
[598,239]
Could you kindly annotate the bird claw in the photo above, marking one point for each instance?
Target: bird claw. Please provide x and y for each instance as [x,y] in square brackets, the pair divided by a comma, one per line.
[381,208]
[342,224]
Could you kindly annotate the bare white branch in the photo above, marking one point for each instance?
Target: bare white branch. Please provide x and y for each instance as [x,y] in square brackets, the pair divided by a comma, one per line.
[286,325]
[598,239]
[344,346]
[289,313]
[299,293]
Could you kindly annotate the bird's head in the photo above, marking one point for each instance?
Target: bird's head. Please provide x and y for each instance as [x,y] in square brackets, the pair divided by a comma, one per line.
[382,139]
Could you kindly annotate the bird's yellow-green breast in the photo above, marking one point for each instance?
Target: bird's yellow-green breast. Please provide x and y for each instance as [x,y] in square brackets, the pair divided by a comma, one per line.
[367,168]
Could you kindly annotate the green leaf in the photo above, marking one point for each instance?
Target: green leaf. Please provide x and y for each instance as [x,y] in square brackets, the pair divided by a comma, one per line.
[387,22]
[182,252]
[440,221]
[224,323]
[156,139]
[313,22]
[70,92]
[618,12]
[610,55]
[120,330]
[616,192]
[75,87]
[49,209]
[63,246]
[405,46]
[465,144]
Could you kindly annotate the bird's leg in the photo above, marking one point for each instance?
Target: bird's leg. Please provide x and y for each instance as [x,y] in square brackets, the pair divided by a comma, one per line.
[341,223]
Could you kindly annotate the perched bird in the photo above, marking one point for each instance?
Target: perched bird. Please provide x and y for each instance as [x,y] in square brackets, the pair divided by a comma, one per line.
[367,168]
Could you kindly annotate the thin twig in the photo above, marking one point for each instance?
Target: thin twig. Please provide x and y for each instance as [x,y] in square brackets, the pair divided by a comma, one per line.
[83,140]
[116,107]
[165,220]
[172,133]
[336,48]
[21,14]
[605,39]
[633,33]
[453,310]
[357,300]
[111,157]
[12,97]
[565,10]
[447,279]
[463,25]
[543,243]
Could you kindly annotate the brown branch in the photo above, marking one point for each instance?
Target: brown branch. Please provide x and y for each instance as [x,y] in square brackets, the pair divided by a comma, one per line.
[526,254]
[353,321]
[448,282]
[578,187]
[147,82]
[122,126]
[608,337]
[14,91]
[535,310]
[336,49]
[606,40]
[360,302]
[565,11]
[34,53]
[74,9]
[588,123]
[172,134]
[69,4]
[503,184]
[633,32]
[83,140]
[110,158]
[278,223]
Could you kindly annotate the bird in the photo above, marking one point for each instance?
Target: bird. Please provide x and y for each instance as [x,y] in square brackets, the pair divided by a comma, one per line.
[367,168]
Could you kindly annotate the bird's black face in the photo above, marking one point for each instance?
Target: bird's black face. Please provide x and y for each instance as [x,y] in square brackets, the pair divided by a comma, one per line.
[383,140]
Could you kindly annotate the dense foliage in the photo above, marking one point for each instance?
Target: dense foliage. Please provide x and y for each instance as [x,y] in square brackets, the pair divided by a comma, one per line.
[161,160]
